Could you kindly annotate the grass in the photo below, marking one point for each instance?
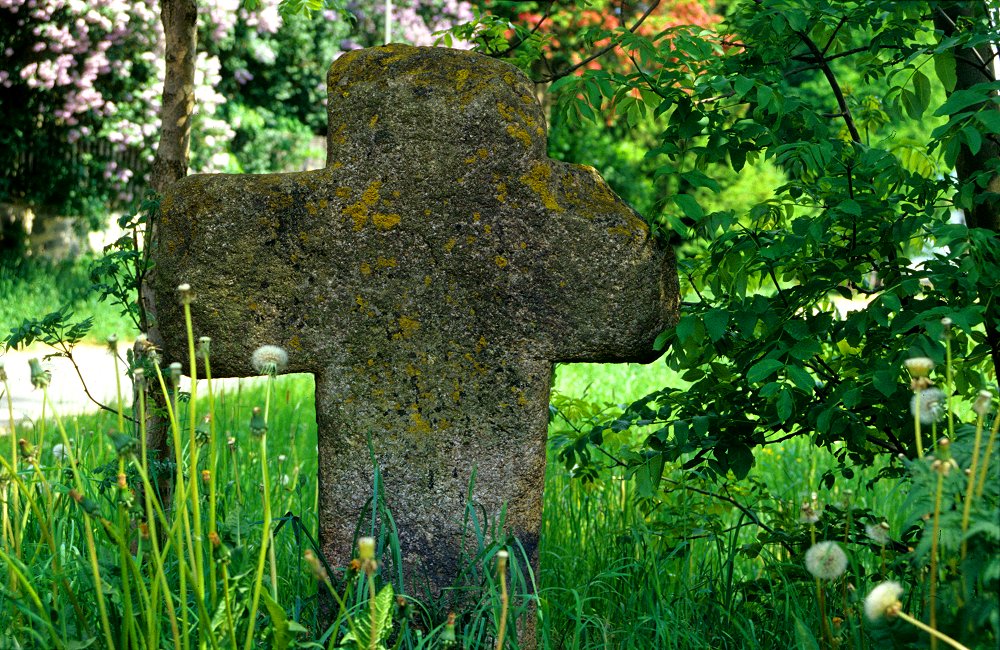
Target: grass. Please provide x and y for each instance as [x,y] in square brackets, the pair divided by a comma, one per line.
[31,288]
[700,562]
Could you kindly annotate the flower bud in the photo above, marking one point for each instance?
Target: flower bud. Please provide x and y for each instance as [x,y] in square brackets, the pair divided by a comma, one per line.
[919,366]
[184,293]
[112,341]
[982,404]
[204,346]
[206,475]
[175,374]
[366,548]
[258,426]
[40,377]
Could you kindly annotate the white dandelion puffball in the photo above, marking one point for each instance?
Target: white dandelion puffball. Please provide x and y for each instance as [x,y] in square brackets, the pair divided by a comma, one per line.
[826,560]
[269,359]
[931,405]
[59,452]
[878,533]
[882,599]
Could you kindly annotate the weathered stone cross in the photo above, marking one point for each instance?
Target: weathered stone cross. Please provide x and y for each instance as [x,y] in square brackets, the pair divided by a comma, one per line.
[429,276]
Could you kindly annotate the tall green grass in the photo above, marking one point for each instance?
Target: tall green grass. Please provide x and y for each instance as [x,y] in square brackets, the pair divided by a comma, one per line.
[31,287]
[704,563]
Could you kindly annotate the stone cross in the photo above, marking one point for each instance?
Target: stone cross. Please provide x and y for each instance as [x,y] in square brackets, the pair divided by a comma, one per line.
[429,277]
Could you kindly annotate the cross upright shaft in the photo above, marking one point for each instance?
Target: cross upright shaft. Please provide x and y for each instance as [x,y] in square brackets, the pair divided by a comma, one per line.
[429,276]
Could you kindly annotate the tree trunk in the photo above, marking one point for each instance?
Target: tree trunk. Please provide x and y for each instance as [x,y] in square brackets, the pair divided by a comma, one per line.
[976,65]
[180,21]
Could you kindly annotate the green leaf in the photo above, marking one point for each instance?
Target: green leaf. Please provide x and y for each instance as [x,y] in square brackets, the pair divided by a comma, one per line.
[690,206]
[910,103]
[648,476]
[785,404]
[716,321]
[762,370]
[972,138]
[801,378]
[699,179]
[764,96]
[944,66]
[742,85]
[962,99]
[922,88]
[740,460]
[279,623]
[885,381]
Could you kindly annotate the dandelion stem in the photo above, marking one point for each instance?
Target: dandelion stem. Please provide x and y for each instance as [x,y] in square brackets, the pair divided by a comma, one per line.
[967,506]
[504,598]
[935,529]
[916,424]
[935,635]
[987,456]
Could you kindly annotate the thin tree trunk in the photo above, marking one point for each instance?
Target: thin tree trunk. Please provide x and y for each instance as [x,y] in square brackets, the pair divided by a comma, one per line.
[180,21]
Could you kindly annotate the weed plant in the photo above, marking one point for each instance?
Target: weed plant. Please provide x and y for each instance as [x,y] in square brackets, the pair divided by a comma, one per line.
[782,559]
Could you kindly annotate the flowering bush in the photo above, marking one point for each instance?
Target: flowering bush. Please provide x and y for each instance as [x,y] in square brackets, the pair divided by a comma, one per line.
[86,79]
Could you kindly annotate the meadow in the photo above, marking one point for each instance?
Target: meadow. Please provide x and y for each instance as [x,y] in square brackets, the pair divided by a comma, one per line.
[693,561]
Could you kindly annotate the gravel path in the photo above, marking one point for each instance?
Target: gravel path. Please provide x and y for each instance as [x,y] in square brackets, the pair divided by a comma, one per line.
[66,391]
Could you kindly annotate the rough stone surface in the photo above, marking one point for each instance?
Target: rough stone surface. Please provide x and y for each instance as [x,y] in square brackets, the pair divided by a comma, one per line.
[429,276]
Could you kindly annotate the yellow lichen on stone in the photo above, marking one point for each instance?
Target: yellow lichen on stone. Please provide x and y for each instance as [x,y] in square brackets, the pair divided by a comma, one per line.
[487,228]
[385,221]
[501,194]
[427,280]
[500,260]
[339,136]
[408,326]
[470,240]
[481,344]
[519,134]
[537,180]
[461,77]
[365,268]
[336,165]
[311,208]
[450,244]
[359,212]
[361,302]
[372,122]
[506,112]
[523,245]
[385,262]
[343,192]
[295,343]
[419,424]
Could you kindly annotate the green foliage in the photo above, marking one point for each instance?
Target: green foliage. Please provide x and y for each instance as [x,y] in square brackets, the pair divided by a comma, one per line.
[800,309]
[118,275]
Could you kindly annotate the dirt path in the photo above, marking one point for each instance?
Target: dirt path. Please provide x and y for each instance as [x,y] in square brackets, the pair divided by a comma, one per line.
[66,392]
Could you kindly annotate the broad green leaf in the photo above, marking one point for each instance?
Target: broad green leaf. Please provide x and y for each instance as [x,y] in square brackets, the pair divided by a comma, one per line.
[690,206]
[886,381]
[742,85]
[762,370]
[944,65]
[962,99]
[716,321]
[279,623]
[801,378]
[972,138]
[785,404]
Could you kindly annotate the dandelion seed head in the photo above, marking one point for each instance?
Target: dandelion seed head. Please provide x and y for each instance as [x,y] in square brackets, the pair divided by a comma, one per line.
[982,404]
[928,405]
[826,560]
[269,360]
[59,452]
[878,533]
[883,600]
